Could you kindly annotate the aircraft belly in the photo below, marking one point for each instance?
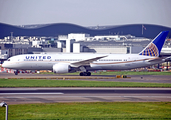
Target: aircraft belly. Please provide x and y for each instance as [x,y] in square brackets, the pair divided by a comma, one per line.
[95,67]
[42,66]
[34,66]
[119,66]
[108,66]
[18,66]
[111,67]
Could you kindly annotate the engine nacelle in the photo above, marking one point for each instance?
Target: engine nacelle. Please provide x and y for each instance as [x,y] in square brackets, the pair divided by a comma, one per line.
[61,68]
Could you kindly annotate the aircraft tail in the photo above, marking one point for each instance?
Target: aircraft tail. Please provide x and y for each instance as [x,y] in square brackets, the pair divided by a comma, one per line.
[155,46]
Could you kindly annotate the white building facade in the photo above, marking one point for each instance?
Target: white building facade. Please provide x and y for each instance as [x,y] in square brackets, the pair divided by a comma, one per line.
[78,36]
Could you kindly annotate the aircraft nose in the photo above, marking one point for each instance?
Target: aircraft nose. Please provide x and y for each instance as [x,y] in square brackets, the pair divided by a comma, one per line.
[4,65]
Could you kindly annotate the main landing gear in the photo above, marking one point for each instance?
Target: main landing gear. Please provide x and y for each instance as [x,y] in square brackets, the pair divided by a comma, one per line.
[85,73]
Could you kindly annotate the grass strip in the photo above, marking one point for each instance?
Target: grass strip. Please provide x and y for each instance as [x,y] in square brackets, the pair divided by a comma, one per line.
[119,73]
[89,111]
[74,83]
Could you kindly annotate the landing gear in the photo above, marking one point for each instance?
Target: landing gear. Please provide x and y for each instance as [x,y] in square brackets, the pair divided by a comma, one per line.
[16,72]
[85,73]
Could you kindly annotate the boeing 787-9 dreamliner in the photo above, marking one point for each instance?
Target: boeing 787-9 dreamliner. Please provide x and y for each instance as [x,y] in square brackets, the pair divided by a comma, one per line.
[86,62]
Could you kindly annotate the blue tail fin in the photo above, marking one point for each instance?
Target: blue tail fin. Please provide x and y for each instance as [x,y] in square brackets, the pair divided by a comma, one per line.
[155,46]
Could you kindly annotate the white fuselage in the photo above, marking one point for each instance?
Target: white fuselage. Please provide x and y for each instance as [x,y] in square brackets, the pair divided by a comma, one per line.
[110,62]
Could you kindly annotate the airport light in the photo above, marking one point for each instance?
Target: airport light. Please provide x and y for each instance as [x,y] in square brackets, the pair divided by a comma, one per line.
[3,104]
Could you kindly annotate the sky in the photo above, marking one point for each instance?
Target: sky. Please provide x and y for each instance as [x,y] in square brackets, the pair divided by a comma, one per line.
[86,12]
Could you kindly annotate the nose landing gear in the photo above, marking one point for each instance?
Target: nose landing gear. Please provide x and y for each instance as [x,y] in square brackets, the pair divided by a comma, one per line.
[16,72]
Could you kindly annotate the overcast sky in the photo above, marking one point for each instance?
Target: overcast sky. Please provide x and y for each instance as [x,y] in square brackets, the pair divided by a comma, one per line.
[86,12]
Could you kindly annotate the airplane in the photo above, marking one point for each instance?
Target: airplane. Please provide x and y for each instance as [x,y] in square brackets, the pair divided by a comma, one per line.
[86,62]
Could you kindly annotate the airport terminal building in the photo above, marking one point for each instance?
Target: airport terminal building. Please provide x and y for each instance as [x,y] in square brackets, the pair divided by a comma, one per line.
[77,43]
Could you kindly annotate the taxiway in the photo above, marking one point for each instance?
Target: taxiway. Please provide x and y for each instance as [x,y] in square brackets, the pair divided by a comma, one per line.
[132,78]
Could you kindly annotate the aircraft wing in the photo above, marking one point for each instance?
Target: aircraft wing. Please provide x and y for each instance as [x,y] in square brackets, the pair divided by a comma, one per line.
[163,59]
[86,62]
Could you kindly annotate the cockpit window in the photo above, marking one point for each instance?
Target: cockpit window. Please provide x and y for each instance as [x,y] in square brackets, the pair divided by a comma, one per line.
[8,60]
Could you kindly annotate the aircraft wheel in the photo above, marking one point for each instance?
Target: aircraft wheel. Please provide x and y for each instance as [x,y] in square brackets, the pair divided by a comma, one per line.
[88,73]
[81,74]
[85,73]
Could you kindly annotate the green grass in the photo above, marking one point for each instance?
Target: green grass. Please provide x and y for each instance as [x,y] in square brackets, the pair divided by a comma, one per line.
[74,83]
[120,73]
[89,111]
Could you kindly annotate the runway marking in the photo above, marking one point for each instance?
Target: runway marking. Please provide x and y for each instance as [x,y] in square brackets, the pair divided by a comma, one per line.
[31,93]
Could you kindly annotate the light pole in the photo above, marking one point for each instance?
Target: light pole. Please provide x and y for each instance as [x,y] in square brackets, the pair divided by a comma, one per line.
[3,104]
[12,37]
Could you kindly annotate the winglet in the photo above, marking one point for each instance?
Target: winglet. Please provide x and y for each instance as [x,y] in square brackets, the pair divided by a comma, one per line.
[155,46]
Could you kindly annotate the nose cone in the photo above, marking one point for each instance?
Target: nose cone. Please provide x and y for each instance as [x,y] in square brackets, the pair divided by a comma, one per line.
[4,65]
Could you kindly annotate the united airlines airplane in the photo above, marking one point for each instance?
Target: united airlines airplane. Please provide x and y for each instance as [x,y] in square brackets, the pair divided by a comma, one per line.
[66,63]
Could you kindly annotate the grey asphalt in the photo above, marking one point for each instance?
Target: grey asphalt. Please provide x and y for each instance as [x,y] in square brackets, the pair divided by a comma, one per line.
[54,95]
[134,78]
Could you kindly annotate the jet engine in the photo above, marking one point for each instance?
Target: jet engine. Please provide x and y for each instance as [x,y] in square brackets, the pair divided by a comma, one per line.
[61,68]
